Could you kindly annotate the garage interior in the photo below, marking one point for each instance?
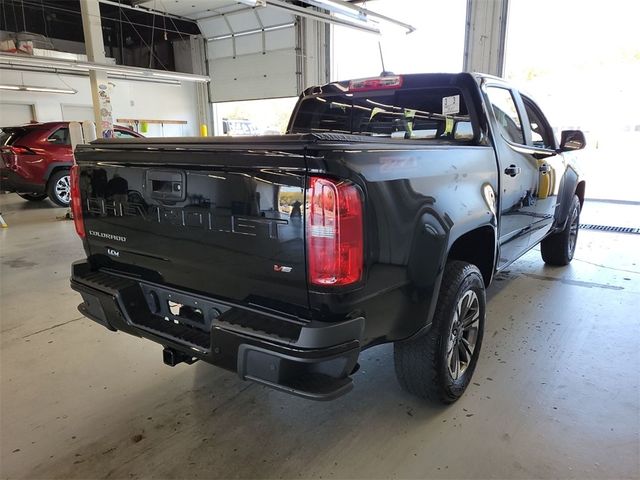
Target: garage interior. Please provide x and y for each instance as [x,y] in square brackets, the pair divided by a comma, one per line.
[556,393]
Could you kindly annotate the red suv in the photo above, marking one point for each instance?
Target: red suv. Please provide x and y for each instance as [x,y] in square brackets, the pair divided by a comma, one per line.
[36,158]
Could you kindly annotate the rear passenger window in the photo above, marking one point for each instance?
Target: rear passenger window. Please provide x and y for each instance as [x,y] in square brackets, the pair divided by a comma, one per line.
[506,113]
[60,137]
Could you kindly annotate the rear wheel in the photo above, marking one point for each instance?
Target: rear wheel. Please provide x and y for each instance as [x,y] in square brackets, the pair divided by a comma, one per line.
[559,248]
[438,366]
[33,197]
[59,188]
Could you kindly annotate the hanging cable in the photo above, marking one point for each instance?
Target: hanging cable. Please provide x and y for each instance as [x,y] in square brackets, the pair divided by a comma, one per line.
[24,18]
[44,19]
[153,30]
[174,23]
[15,17]
[142,40]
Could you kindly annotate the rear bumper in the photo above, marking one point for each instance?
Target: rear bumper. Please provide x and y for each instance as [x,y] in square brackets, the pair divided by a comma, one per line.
[308,359]
[10,181]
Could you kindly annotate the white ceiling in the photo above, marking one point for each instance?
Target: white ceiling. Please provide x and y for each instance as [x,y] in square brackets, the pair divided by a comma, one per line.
[193,8]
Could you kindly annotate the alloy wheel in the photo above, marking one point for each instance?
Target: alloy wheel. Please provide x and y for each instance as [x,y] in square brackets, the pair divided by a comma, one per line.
[464,334]
[573,231]
[63,189]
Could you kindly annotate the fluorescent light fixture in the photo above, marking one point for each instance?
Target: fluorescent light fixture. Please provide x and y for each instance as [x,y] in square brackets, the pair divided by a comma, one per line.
[51,90]
[349,10]
[323,17]
[253,3]
[28,88]
[343,8]
[48,62]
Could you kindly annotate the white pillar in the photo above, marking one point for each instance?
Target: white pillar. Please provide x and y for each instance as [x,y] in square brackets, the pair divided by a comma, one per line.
[485,36]
[312,45]
[199,66]
[100,89]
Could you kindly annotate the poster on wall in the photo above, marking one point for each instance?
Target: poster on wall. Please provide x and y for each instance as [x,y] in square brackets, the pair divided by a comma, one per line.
[106,118]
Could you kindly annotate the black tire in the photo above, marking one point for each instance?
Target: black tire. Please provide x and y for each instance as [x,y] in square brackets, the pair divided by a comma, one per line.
[558,248]
[59,188]
[422,364]
[33,197]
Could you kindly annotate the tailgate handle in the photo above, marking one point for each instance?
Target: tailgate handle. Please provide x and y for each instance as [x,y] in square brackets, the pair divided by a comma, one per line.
[166,185]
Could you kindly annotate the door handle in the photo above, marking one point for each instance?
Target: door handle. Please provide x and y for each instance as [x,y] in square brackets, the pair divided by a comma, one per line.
[545,168]
[512,170]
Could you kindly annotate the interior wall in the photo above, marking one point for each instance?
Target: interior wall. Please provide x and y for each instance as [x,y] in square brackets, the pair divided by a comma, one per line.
[130,99]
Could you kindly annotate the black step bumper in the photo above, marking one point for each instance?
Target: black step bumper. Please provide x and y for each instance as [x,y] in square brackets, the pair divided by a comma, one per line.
[309,359]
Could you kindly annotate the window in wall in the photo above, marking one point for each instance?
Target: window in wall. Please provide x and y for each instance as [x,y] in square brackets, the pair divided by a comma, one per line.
[253,117]
[506,113]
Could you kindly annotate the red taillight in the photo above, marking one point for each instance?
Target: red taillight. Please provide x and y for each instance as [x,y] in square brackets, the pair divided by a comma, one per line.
[334,232]
[377,83]
[76,201]
[17,150]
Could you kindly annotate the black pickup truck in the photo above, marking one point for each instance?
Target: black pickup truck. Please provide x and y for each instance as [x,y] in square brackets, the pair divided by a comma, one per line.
[381,216]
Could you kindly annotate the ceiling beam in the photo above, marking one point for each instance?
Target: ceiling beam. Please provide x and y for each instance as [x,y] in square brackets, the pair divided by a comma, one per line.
[320,16]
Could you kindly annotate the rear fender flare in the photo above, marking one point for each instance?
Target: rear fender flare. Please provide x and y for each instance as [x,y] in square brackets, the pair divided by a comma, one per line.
[429,249]
[53,166]
[430,253]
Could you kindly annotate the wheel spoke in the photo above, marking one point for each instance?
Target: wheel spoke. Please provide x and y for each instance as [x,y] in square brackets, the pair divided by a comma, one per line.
[471,319]
[454,365]
[464,308]
[467,348]
[463,355]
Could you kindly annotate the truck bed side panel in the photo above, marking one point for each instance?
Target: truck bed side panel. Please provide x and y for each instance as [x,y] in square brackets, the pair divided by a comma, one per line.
[419,201]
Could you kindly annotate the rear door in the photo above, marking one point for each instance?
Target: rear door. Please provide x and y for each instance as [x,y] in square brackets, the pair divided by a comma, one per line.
[550,165]
[58,145]
[227,222]
[518,172]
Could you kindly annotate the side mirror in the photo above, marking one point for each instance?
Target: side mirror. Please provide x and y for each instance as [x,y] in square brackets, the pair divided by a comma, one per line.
[572,140]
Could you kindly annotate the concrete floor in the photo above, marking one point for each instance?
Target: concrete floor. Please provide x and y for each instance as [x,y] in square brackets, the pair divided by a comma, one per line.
[555,394]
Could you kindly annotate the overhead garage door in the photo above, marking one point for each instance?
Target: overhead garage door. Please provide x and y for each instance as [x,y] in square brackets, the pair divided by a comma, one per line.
[77,113]
[15,114]
[251,54]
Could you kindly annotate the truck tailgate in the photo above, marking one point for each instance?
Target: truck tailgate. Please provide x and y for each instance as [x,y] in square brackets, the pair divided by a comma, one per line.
[219,219]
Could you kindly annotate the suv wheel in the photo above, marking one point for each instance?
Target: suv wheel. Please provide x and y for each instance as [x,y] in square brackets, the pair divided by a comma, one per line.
[33,197]
[59,188]
[558,249]
[438,365]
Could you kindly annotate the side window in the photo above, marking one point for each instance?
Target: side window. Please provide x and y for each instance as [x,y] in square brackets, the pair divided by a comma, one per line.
[60,137]
[506,113]
[123,134]
[541,133]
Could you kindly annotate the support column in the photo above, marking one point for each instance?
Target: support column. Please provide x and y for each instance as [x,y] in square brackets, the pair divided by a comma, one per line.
[312,40]
[100,90]
[485,36]
[199,66]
